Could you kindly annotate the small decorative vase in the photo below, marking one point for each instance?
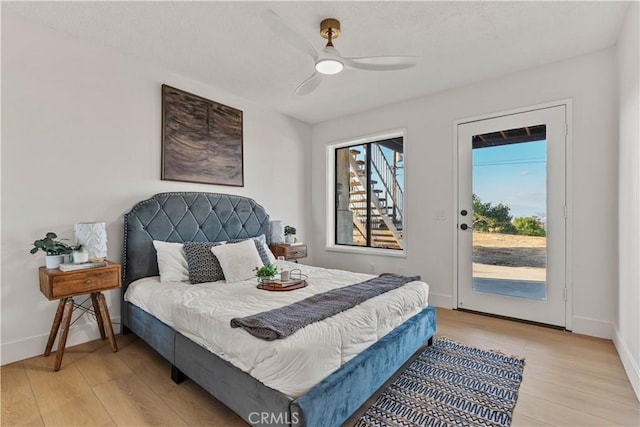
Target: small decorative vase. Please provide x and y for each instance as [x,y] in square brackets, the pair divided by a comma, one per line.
[266,280]
[53,261]
[80,256]
[289,238]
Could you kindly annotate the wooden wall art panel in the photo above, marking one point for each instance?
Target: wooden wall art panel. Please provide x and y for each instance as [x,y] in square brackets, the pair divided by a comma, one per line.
[201,140]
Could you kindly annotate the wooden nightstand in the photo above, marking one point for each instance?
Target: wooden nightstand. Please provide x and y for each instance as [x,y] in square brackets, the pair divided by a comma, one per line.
[289,252]
[56,284]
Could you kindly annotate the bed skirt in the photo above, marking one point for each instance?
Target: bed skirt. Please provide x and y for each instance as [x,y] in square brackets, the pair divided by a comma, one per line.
[329,403]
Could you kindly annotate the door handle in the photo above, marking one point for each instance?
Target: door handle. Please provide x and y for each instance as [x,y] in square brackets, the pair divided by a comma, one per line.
[464,227]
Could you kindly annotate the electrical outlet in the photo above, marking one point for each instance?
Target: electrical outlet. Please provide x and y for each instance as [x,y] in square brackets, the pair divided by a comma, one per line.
[438,215]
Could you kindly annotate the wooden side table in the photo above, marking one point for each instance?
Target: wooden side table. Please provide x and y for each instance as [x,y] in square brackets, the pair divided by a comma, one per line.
[289,252]
[56,284]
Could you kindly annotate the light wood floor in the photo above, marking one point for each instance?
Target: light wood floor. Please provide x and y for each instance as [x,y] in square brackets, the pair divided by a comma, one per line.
[569,380]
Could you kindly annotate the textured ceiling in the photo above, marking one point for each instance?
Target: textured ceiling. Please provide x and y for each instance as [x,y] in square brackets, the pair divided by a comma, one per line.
[226,44]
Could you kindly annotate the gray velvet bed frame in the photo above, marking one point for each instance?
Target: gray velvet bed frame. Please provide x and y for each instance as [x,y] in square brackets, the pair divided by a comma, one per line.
[183,217]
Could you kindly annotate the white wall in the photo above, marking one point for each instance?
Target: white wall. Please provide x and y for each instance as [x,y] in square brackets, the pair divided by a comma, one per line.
[81,129]
[627,336]
[590,81]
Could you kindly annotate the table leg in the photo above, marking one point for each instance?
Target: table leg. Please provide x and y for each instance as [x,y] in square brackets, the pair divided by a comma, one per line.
[54,328]
[104,311]
[62,341]
[96,310]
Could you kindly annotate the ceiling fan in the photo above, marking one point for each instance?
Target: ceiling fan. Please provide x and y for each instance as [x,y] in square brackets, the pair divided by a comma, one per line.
[328,60]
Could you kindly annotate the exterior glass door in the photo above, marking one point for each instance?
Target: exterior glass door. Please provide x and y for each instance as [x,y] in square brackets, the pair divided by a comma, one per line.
[511,231]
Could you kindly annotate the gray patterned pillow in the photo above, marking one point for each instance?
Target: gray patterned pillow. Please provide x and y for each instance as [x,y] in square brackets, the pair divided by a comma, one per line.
[260,242]
[203,264]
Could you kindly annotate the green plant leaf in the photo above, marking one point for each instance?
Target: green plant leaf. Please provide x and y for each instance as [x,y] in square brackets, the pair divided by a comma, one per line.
[51,246]
[267,270]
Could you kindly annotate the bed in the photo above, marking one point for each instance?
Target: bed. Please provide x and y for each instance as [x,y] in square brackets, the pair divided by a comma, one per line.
[209,217]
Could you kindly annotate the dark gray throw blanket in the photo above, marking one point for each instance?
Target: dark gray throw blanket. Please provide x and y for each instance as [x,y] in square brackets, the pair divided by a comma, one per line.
[284,321]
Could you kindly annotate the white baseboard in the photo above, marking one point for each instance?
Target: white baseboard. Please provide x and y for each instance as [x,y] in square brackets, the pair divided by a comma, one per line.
[34,346]
[440,300]
[629,364]
[581,325]
[592,327]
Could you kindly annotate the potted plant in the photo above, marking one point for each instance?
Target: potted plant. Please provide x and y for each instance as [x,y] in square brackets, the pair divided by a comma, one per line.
[266,273]
[55,249]
[289,234]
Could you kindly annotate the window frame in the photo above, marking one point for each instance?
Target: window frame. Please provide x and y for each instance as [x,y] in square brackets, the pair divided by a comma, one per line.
[330,175]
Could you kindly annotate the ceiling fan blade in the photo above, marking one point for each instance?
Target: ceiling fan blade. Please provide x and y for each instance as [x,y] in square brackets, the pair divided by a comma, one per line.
[287,33]
[382,63]
[309,85]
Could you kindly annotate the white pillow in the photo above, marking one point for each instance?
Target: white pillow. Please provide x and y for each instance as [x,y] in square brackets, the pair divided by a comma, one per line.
[238,261]
[172,263]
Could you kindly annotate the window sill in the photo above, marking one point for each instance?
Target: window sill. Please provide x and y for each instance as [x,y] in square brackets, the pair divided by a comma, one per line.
[368,251]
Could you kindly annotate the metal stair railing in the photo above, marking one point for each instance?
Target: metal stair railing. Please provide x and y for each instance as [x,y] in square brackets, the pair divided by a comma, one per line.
[391,186]
[375,201]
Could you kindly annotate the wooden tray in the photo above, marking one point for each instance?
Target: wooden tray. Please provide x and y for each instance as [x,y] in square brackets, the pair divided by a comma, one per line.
[275,288]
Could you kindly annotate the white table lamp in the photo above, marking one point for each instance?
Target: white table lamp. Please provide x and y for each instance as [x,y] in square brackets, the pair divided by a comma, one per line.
[93,237]
[277,231]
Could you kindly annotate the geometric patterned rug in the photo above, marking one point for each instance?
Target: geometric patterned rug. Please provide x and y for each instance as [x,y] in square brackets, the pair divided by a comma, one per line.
[450,384]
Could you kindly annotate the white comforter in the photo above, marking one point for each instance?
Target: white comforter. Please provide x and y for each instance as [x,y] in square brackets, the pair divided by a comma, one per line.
[292,365]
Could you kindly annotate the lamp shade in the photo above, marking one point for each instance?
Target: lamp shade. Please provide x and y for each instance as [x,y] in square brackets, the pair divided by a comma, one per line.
[93,237]
[277,231]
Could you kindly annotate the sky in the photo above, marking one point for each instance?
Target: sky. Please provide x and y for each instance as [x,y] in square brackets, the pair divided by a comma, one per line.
[514,175]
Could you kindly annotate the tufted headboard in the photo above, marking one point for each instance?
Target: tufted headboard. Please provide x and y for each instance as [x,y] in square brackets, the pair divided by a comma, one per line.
[185,217]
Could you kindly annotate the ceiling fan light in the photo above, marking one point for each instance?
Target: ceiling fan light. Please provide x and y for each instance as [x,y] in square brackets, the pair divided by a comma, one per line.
[329,66]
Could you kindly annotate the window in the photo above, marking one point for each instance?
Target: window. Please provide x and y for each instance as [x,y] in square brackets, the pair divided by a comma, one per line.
[369,193]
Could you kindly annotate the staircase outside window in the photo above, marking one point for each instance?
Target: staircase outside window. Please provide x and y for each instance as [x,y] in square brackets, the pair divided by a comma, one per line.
[369,209]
